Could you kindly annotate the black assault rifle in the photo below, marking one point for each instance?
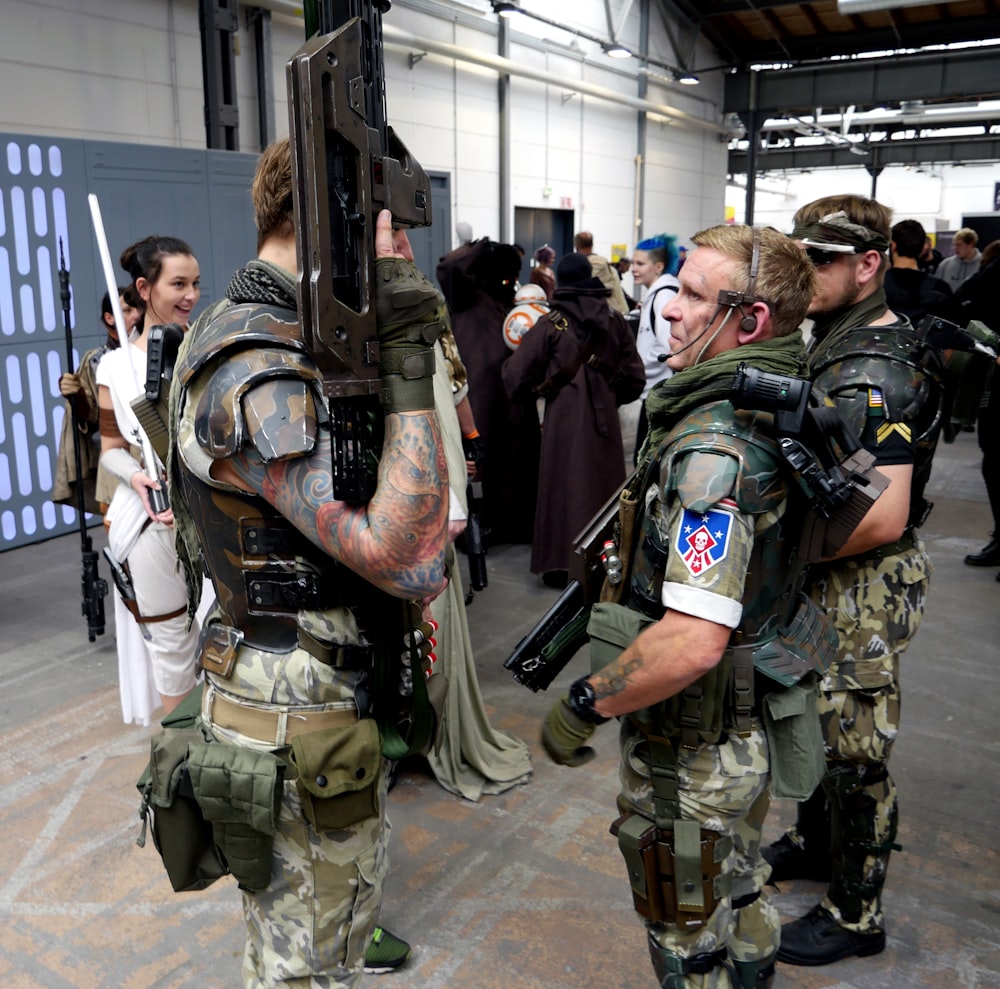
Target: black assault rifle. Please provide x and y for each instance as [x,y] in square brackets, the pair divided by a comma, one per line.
[347,165]
[94,586]
[475,548]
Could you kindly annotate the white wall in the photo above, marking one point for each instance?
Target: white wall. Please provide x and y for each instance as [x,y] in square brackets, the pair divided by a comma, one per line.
[126,71]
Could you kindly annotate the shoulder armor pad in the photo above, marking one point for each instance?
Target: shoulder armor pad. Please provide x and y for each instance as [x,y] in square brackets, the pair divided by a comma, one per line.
[226,326]
[267,397]
[717,452]
[893,359]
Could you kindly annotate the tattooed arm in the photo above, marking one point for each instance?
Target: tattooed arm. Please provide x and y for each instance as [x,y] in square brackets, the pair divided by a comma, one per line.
[397,540]
[661,662]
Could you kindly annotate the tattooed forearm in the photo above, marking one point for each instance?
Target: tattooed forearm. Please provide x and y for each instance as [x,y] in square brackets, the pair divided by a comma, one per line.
[397,540]
[615,678]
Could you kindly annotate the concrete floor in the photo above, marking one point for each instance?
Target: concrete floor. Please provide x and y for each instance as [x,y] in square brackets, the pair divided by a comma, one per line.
[519,891]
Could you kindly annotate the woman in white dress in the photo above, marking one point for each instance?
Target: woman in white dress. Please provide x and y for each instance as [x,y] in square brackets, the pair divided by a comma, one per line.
[166,277]
[654,265]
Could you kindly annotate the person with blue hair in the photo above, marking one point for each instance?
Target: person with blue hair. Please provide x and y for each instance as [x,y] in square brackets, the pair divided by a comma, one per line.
[654,266]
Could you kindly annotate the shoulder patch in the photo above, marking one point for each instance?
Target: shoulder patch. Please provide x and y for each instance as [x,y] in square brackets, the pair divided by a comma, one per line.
[703,539]
[705,478]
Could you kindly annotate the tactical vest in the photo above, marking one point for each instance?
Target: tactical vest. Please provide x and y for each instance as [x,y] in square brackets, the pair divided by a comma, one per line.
[265,572]
[782,635]
[908,372]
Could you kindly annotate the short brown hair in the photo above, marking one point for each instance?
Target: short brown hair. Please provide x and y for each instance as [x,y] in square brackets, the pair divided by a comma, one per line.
[967,235]
[271,192]
[584,239]
[786,278]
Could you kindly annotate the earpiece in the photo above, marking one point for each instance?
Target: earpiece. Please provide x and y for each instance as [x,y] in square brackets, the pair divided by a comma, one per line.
[749,322]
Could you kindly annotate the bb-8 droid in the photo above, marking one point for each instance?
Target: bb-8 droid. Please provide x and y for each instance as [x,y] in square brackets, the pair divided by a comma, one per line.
[531,306]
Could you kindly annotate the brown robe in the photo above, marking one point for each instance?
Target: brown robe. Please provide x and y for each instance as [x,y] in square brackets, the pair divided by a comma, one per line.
[582,459]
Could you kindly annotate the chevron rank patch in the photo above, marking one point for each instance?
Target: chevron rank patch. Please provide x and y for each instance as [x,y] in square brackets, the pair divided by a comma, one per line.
[886,430]
[703,539]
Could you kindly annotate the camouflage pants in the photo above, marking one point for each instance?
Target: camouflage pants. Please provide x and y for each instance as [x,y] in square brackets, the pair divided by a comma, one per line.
[724,788]
[310,928]
[877,607]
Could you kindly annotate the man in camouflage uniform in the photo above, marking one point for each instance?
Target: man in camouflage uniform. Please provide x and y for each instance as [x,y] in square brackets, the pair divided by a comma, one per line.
[885,384]
[709,590]
[289,652]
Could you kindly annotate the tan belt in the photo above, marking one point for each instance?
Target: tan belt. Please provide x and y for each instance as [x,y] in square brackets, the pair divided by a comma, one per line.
[275,726]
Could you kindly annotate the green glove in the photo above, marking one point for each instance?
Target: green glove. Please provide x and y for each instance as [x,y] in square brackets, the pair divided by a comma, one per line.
[409,312]
[565,736]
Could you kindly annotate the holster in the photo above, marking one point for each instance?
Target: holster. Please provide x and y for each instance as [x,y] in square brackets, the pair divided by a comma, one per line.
[676,876]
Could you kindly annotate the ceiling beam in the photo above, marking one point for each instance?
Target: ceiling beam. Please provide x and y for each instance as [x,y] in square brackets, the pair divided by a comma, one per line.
[956,75]
[915,151]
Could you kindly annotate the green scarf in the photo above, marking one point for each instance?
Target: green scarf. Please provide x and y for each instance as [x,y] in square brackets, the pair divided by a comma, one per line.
[829,329]
[712,380]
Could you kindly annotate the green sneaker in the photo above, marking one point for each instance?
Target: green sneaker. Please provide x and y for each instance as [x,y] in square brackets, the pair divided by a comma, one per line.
[386,952]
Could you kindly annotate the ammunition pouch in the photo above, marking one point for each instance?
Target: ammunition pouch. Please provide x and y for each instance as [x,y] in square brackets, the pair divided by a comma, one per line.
[676,876]
[181,834]
[611,628]
[794,739]
[338,771]
[239,792]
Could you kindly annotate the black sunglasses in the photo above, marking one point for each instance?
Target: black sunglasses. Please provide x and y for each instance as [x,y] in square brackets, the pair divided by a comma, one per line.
[819,257]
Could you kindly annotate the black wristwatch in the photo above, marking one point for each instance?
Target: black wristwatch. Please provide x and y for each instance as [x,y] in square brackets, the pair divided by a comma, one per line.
[581,701]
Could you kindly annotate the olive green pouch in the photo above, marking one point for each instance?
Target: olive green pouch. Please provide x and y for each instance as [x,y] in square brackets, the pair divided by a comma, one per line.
[795,739]
[611,628]
[180,832]
[338,771]
[239,791]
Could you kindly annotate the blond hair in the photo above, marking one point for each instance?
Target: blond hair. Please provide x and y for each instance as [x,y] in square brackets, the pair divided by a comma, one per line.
[785,280]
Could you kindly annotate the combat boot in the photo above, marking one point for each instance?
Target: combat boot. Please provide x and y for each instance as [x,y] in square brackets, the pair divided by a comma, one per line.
[803,852]
[817,939]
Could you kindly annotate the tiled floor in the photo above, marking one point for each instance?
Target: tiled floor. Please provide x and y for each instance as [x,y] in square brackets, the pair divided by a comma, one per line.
[520,891]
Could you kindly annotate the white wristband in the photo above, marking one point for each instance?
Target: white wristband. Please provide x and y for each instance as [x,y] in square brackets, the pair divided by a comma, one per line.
[120,463]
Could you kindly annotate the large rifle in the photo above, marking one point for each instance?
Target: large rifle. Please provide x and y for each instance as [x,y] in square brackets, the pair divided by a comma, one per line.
[348,165]
[94,586]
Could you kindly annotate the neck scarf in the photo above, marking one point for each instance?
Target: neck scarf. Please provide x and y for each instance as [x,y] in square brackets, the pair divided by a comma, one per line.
[832,326]
[712,380]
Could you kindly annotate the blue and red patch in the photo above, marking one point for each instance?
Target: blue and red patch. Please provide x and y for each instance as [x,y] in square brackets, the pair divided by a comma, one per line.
[703,539]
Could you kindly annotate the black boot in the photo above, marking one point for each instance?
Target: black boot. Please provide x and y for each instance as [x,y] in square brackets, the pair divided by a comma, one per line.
[804,851]
[988,556]
[817,939]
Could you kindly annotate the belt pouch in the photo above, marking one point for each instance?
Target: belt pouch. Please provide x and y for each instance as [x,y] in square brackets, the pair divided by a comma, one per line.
[794,739]
[338,769]
[180,832]
[239,791]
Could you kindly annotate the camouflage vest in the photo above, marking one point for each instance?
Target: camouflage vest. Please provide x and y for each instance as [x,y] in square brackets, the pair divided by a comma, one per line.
[909,373]
[269,578]
[781,636]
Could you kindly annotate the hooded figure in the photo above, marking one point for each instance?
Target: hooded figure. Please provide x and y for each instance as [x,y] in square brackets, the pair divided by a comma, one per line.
[478,282]
[581,359]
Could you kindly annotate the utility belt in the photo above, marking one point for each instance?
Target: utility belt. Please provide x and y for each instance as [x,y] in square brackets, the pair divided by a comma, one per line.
[904,544]
[676,875]
[220,646]
[214,806]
